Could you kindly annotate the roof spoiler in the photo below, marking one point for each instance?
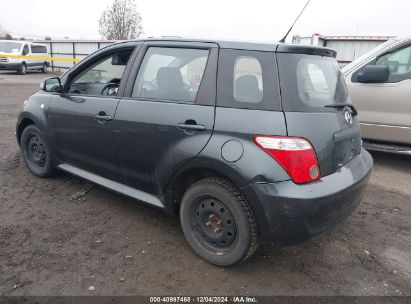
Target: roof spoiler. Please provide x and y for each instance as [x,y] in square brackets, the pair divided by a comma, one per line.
[305,49]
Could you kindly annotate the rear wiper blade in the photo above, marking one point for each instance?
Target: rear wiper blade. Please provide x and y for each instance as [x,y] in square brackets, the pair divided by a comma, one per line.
[343,105]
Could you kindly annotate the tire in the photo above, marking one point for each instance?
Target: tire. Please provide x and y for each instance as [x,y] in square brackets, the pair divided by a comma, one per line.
[44,69]
[36,152]
[22,69]
[218,222]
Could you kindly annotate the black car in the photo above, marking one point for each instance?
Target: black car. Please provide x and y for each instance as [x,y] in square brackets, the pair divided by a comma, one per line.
[249,143]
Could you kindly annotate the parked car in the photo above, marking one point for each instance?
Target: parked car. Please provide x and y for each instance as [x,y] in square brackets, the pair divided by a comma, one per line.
[380,87]
[239,162]
[23,48]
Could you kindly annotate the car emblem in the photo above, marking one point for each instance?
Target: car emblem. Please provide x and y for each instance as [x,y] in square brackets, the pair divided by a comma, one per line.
[348,117]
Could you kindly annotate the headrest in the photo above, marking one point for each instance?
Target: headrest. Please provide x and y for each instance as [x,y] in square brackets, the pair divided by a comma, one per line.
[169,78]
[246,89]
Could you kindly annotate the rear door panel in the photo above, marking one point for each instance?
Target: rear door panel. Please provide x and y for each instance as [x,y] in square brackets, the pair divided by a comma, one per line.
[150,145]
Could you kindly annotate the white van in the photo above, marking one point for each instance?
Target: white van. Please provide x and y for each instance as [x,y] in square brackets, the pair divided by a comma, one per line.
[379,84]
[25,48]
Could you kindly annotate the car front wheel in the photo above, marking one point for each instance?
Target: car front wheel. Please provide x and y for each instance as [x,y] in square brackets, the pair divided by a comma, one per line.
[218,222]
[22,69]
[36,152]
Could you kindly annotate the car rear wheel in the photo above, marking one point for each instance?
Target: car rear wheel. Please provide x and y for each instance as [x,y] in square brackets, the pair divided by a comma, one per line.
[218,222]
[36,152]
[22,69]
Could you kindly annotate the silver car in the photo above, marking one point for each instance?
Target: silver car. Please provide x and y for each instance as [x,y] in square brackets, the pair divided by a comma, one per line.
[379,83]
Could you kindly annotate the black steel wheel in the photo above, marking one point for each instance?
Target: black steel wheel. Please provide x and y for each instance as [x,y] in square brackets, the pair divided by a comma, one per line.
[213,224]
[36,153]
[218,222]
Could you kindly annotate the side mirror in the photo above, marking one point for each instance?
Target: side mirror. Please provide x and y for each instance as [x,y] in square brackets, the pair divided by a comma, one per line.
[52,84]
[374,74]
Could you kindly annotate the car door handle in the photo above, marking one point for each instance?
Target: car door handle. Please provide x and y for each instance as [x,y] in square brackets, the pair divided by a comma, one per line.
[103,117]
[191,125]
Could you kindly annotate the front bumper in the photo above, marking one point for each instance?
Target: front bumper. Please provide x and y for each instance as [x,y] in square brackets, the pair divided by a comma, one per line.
[294,213]
[9,66]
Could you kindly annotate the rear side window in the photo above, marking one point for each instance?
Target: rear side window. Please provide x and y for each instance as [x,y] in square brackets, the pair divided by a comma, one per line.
[248,79]
[309,82]
[38,49]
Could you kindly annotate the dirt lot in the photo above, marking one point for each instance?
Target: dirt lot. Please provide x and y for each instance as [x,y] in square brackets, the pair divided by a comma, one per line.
[54,241]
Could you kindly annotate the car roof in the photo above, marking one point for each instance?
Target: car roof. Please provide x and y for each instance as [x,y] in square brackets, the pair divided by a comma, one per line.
[23,41]
[19,41]
[252,46]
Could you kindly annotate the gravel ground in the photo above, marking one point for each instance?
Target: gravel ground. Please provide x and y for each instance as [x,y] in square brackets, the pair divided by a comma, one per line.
[60,236]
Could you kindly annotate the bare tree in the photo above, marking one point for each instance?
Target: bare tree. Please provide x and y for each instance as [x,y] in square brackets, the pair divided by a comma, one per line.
[121,21]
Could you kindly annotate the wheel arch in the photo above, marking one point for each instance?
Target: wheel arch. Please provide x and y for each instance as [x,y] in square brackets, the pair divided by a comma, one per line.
[24,123]
[196,171]
[32,114]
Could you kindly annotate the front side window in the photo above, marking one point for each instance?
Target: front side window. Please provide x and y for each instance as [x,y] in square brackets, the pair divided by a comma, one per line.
[399,64]
[26,50]
[171,74]
[248,80]
[103,77]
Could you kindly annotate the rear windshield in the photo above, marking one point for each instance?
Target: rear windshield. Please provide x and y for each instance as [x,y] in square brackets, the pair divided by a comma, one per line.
[308,82]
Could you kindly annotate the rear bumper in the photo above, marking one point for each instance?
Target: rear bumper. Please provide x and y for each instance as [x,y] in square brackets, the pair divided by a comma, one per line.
[9,66]
[295,213]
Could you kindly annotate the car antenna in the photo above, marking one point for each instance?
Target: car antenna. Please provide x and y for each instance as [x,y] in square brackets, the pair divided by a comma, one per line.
[283,40]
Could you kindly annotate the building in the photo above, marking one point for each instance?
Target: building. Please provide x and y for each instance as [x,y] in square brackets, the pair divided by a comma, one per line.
[348,47]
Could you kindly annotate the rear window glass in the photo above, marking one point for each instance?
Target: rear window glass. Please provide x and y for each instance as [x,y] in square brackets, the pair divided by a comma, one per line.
[311,82]
[248,80]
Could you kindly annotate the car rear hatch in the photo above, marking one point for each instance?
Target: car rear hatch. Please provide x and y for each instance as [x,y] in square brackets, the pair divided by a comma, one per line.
[316,104]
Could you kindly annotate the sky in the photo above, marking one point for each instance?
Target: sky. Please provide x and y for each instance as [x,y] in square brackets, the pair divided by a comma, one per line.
[251,20]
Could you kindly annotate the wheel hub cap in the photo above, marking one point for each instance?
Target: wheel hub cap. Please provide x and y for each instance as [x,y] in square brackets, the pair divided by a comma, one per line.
[213,224]
[36,151]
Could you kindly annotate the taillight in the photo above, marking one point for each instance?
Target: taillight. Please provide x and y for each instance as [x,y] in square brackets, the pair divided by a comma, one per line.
[294,154]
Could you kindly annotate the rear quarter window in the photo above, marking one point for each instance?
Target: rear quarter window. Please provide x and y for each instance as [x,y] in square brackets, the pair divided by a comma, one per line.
[309,82]
[248,80]
[38,49]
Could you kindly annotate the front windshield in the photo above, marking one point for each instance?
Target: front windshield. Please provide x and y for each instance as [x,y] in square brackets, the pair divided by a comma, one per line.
[9,47]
